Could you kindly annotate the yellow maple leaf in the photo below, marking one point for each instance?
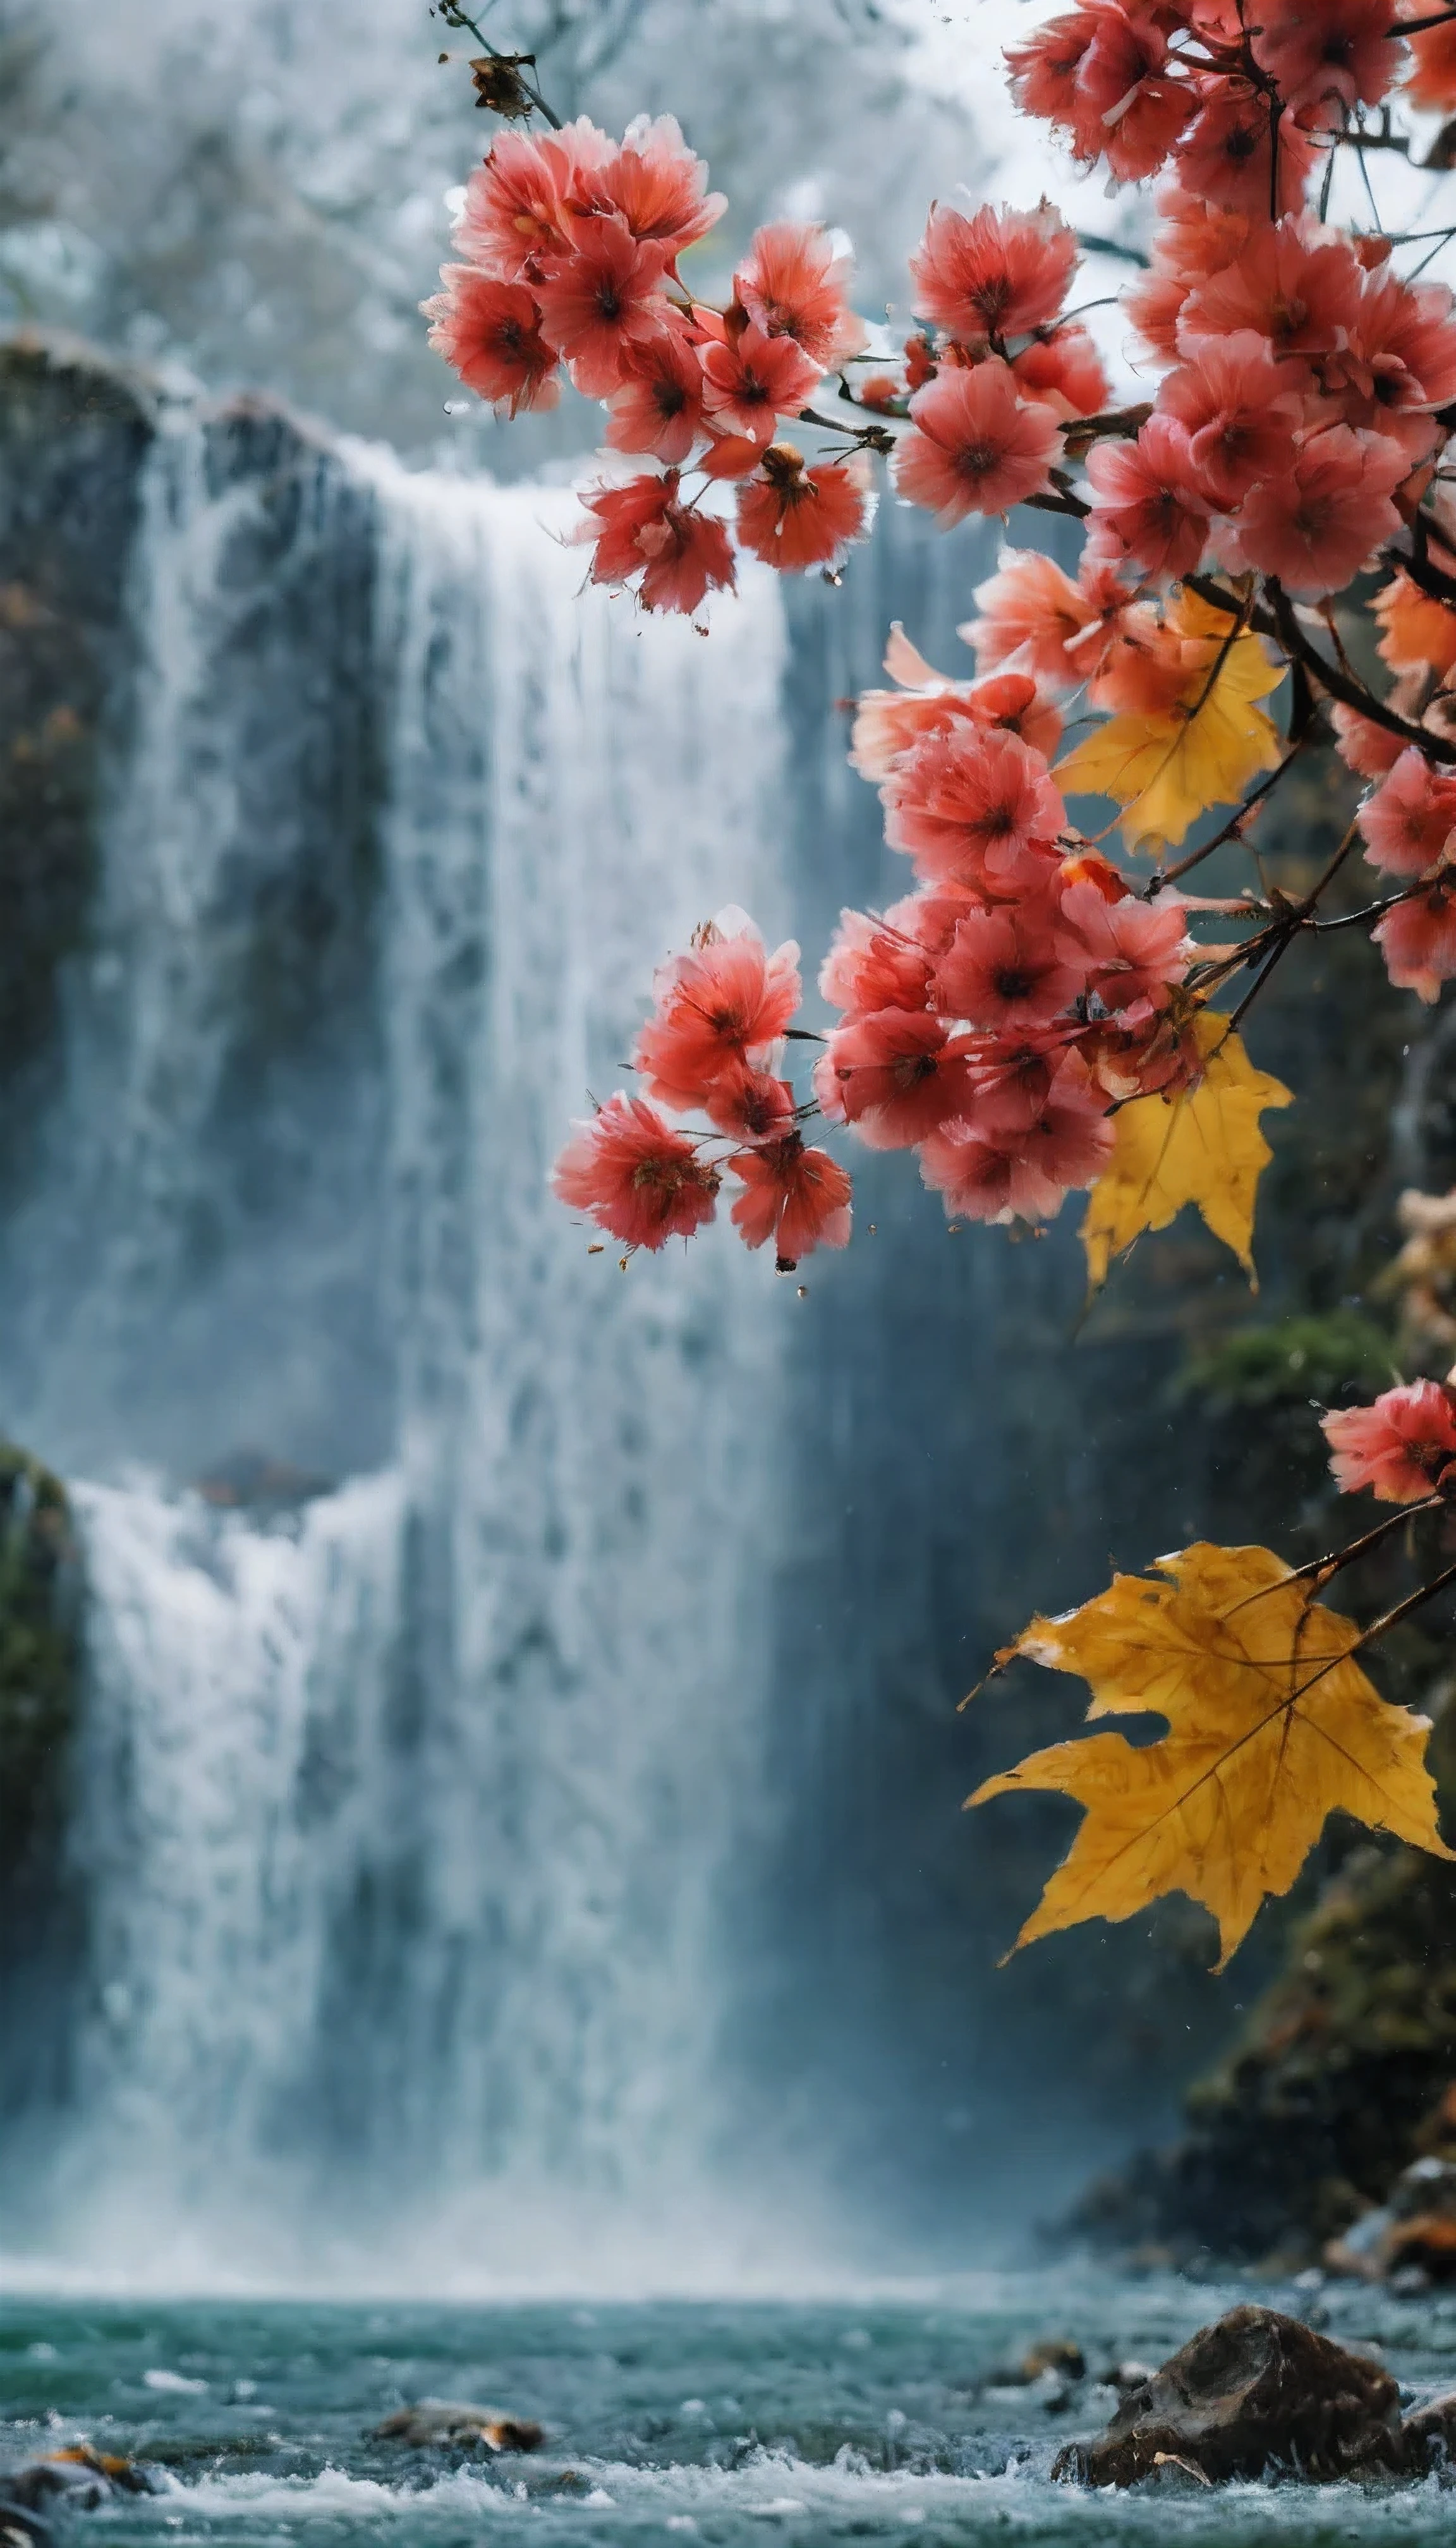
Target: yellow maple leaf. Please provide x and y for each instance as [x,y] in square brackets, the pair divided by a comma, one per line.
[1201,1147]
[1167,769]
[1272,1725]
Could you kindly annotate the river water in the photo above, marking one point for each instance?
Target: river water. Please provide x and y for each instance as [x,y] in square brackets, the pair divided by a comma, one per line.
[868,2418]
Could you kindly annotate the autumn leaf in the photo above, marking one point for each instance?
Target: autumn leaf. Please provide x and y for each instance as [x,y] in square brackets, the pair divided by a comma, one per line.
[1272,1725]
[1167,769]
[1201,1147]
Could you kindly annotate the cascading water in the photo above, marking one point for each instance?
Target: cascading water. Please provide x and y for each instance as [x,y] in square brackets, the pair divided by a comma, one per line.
[405,1817]
[549,1837]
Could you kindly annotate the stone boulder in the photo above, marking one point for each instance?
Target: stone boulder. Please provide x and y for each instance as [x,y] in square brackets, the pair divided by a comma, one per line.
[1255,2390]
[79,2478]
[442,2422]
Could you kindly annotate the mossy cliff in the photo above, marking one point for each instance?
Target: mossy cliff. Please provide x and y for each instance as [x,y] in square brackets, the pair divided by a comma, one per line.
[72,433]
[39,1703]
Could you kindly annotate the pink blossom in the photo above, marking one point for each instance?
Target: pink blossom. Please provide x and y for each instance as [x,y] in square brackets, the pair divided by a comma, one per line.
[636,1176]
[490,332]
[988,1173]
[1013,703]
[1419,943]
[1129,950]
[1296,285]
[977,446]
[1315,526]
[1328,56]
[1401,361]
[1224,156]
[1146,507]
[641,529]
[657,405]
[895,1075]
[601,298]
[1362,744]
[794,283]
[519,206]
[992,274]
[659,187]
[1004,970]
[793,518]
[1238,410]
[871,965]
[969,805]
[1401,1447]
[1104,75]
[751,380]
[1030,614]
[1065,371]
[1408,821]
[725,1003]
[795,1196]
[750,1105]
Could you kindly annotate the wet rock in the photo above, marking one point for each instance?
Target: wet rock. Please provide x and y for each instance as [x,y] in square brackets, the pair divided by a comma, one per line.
[1413,2232]
[20,2527]
[41,1904]
[1054,2354]
[79,2478]
[1252,2390]
[1049,2365]
[436,2422]
[1430,2434]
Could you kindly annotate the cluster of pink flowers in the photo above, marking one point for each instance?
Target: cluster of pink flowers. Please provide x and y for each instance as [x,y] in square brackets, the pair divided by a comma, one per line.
[711,1046]
[1308,388]
[1304,388]
[995,1016]
[1000,372]
[1403,1448]
[1238,104]
[1302,395]
[991,1021]
[570,247]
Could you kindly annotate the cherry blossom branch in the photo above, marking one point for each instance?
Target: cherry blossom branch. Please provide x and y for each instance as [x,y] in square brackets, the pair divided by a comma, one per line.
[1323,1570]
[456,17]
[1341,685]
[1374,910]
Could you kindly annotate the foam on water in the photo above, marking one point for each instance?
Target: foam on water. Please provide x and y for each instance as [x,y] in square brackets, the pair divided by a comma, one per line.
[728,2422]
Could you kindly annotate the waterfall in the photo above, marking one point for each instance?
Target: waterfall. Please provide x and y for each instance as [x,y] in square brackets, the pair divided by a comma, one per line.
[406,1806]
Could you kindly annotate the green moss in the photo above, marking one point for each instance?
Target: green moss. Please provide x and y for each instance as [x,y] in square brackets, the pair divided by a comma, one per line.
[38,1655]
[1291,1361]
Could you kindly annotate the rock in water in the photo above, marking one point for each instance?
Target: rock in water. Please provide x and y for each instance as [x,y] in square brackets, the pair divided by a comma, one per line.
[1430,2436]
[441,2420]
[1255,2389]
[80,2479]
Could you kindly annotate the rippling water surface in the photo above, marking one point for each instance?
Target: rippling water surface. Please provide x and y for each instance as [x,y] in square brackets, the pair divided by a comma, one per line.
[717,2422]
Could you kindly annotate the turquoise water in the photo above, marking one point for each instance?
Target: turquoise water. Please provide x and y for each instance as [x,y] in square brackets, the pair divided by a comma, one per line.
[707,2422]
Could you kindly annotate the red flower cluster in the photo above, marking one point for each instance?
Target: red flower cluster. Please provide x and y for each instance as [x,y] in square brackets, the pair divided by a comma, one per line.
[1237,105]
[1303,395]
[711,1046]
[1003,373]
[1402,1448]
[571,245]
[996,1015]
